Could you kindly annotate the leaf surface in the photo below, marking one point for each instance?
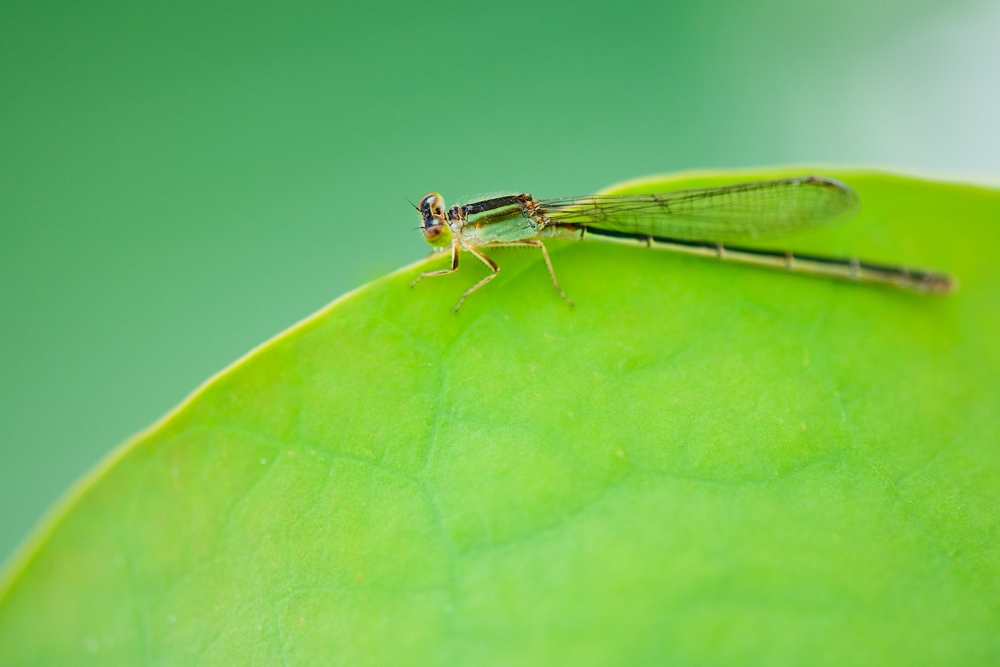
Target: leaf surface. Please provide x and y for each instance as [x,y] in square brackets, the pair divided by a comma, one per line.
[701,464]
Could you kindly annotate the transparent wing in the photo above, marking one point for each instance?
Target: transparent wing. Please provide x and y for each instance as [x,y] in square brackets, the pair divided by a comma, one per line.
[765,209]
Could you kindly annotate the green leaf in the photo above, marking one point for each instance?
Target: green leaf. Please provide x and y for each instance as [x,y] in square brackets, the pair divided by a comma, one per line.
[702,463]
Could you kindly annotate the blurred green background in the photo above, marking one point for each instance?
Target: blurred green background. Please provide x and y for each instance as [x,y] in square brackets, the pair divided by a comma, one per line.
[181,181]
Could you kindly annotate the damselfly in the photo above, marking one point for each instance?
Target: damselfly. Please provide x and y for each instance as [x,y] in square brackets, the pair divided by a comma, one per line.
[696,222]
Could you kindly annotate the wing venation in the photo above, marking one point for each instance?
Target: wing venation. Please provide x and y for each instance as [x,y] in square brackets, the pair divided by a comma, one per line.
[764,209]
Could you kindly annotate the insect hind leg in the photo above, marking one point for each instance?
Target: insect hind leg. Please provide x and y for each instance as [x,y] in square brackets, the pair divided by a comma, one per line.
[535,243]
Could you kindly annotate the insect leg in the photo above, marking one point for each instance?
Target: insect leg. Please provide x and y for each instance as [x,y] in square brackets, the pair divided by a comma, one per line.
[441,272]
[548,262]
[488,262]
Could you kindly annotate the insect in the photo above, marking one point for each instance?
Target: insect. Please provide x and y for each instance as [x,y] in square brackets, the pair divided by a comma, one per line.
[695,222]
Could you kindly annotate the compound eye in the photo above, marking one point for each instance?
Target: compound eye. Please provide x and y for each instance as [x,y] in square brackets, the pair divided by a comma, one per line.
[432,205]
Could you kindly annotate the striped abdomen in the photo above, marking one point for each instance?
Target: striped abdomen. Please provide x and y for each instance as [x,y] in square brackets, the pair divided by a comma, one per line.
[848,268]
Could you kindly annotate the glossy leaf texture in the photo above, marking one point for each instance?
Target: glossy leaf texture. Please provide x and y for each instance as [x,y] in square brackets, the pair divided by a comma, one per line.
[701,464]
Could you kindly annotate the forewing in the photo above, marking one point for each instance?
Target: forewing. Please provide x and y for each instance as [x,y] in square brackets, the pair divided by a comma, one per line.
[765,209]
